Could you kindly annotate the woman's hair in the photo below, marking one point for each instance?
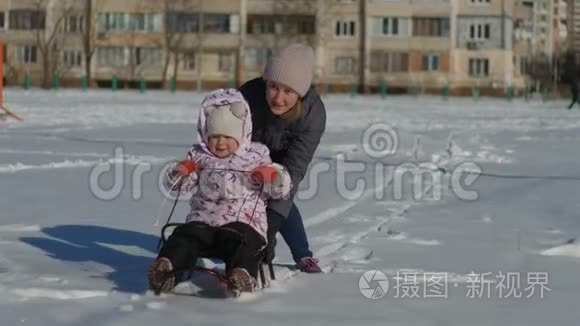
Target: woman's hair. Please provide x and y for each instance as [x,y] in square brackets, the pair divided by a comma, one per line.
[294,112]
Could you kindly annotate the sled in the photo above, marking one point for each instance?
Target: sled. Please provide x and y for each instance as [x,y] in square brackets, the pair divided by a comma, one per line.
[186,274]
[11,114]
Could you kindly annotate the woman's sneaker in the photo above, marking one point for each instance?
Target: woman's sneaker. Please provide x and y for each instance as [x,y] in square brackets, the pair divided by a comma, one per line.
[160,276]
[241,280]
[309,265]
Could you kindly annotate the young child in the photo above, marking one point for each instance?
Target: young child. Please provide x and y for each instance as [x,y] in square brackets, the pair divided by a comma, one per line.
[231,178]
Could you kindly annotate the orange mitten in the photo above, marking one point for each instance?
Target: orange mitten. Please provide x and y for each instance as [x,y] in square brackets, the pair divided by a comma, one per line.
[265,173]
[187,167]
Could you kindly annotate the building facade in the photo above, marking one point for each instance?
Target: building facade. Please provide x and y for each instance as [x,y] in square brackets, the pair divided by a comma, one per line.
[573,20]
[484,47]
[404,44]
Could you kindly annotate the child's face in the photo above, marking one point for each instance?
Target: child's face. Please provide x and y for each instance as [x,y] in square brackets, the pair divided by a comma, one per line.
[222,146]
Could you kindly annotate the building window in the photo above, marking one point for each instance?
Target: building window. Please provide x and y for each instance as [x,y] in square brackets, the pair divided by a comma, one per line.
[146,56]
[257,57]
[74,24]
[2,19]
[189,61]
[111,21]
[431,62]
[216,23]
[281,24]
[182,22]
[306,24]
[481,2]
[27,19]
[479,67]
[225,63]
[389,61]
[438,27]
[110,56]
[72,58]
[344,65]
[480,31]
[153,22]
[296,24]
[140,22]
[390,26]
[26,54]
[261,24]
[135,22]
[345,28]
[523,65]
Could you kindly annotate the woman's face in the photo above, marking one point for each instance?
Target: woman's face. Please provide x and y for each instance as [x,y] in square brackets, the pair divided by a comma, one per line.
[280,97]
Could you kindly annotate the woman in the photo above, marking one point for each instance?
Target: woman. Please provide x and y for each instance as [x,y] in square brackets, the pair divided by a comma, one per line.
[289,117]
[571,77]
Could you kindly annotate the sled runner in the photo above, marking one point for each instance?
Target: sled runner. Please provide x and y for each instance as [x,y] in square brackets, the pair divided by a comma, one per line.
[8,113]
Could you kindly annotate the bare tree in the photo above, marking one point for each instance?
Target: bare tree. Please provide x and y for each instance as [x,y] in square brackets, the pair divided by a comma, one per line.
[179,20]
[140,57]
[144,49]
[133,70]
[288,21]
[362,48]
[88,37]
[324,16]
[282,23]
[303,21]
[50,40]
[11,69]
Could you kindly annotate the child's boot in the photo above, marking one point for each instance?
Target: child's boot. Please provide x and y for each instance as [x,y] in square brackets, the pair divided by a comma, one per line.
[160,276]
[241,280]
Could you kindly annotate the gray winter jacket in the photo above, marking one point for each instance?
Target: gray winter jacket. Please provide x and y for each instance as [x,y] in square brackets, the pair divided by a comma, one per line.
[291,143]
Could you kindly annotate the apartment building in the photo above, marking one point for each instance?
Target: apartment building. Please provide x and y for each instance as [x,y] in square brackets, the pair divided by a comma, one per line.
[26,22]
[197,41]
[523,37]
[550,27]
[129,40]
[573,19]
[483,54]
[209,43]
[409,43]
[268,25]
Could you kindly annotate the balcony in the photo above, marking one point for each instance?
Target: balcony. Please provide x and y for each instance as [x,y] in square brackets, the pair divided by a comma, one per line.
[524,12]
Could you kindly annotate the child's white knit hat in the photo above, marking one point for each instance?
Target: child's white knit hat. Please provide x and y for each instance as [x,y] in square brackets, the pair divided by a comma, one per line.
[227,120]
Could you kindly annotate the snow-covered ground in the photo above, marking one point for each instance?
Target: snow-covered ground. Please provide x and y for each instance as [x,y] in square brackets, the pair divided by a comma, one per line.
[79,198]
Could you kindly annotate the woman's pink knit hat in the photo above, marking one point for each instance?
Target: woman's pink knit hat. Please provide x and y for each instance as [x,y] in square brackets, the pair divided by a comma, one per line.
[293,66]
